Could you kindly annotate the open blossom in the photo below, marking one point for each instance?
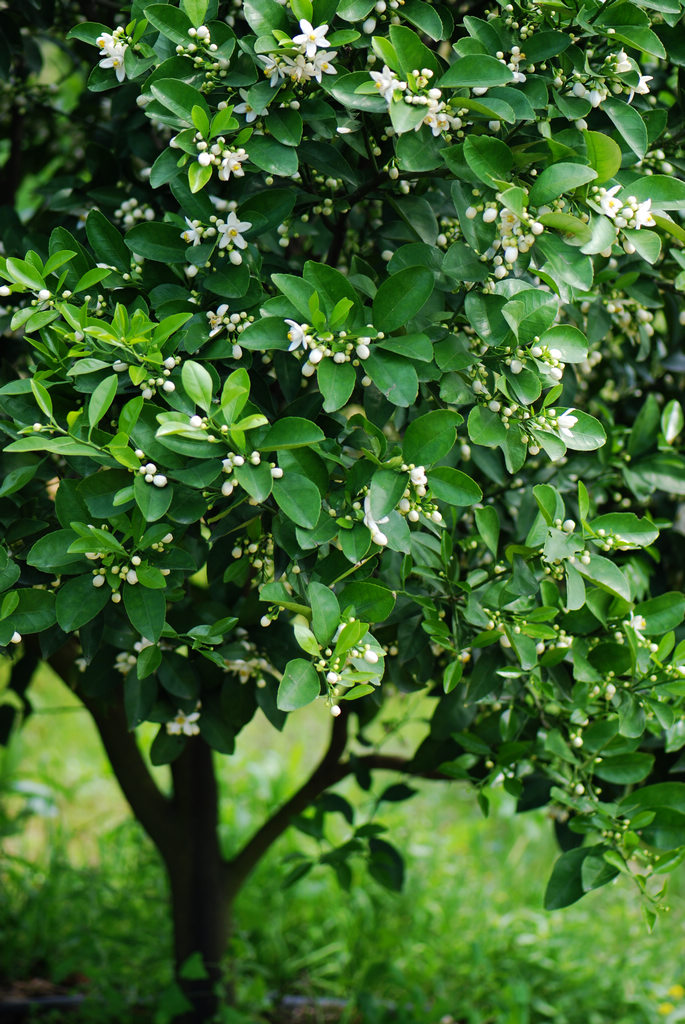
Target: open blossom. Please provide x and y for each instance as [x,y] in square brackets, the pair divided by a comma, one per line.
[251,114]
[193,235]
[184,725]
[296,335]
[377,535]
[565,423]
[387,82]
[112,50]
[311,38]
[643,215]
[322,64]
[273,69]
[610,205]
[232,163]
[230,231]
[638,623]
[642,87]
[299,69]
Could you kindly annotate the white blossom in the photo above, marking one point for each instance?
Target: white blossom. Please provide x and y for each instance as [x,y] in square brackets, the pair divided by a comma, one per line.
[311,38]
[192,235]
[232,163]
[231,230]
[377,536]
[387,83]
[296,335]
[249,111]
[183,724]
[112,50]
[565,424]
[609,204]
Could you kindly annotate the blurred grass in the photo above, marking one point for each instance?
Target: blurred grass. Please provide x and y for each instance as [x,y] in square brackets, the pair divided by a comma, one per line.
[81,890]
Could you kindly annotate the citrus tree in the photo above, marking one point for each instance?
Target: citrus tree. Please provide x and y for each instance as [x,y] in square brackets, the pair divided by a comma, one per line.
[343,365]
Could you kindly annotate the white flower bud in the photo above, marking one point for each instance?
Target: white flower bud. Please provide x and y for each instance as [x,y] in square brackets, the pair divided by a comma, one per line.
[16,637]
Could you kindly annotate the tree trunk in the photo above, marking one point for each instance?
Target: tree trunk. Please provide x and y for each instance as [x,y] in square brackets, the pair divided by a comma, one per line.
[198,875]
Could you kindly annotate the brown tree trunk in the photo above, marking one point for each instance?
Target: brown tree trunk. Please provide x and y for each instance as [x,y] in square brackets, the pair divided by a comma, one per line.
[198,876]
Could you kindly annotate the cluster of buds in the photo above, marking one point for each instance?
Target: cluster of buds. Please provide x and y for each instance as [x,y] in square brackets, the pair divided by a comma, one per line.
[417,91]
[515,234]
[233,460]
[115,573]
[234,323]
[131,212]
[345,669]
[218,154]
[450,231]
[382,11]
[414,501]
[513,62]
[252,666]
[149,385]
[340,347]
[150,473]
[260,554]
[203,53]
[552,420]
[625,213]
[585,88]
[126,660]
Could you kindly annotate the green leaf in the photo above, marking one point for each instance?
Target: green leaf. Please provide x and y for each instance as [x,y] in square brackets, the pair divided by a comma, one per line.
[180,98]
[490,159]
[152,501]
[101,399]
[273,157]
[299,686]
[154,240]
[666,193]
[476,70]
[291,432]
[603,154]
[672,420]
[51,553]
[624,768]
[430,437]
[78,601]
[565,885]
[169,21]
[554,181]
[605,575]
[386,865]
[662,613]
[146,610]
[400,297]
[325,611]
[568,341]
[24,273]
[298,498]
[394,377]
[34,611]
[411,52]
[336,383]
[453,486]
[387,487]
[487,524]
[197,384]
[42,397]
[369,602]
[629,124]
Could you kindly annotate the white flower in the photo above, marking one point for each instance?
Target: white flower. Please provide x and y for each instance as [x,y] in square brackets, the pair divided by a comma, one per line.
[244,108]
[638,622]
[377,536]
[296,335]
[231,230]
[565,424]
[610,205]
[643,215]
[274,70]
[322,64]
[311,38]
[622,63]
[387,82]
[184,725]
[299,69]
[112,49]
[192,236]
[232,163]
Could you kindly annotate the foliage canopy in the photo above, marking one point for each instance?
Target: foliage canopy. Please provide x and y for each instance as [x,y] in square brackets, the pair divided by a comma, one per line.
[345,361]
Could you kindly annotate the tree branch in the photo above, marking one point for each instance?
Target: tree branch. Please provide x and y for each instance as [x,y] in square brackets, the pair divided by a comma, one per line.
[152,809]
[327,773]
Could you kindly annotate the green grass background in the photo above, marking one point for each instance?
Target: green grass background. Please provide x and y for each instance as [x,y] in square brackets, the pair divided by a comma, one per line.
[82,892]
